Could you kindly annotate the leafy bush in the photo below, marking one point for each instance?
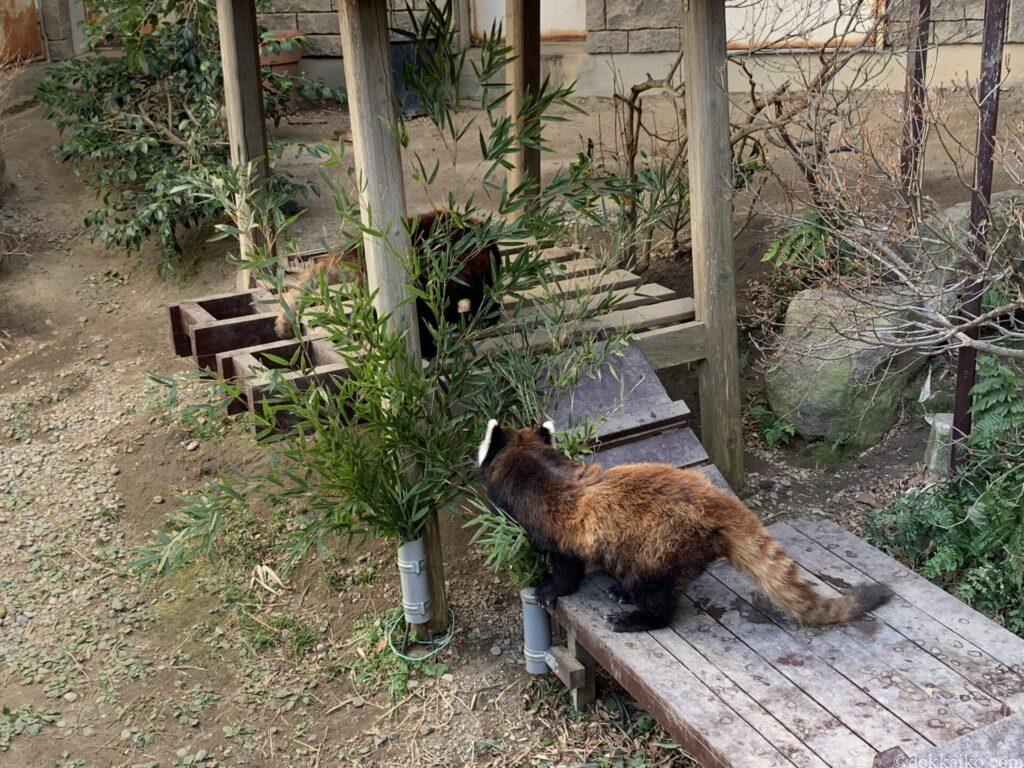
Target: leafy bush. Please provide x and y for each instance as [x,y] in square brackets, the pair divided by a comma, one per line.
[773,429]
[966,532]
[142,115]
[373,453]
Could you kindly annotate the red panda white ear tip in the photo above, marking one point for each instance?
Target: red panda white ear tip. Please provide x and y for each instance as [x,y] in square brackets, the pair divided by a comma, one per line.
[549,426]
[485,446]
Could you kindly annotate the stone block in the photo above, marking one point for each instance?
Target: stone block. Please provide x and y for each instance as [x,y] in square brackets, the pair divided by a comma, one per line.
[595,15]
[653,40]
[608,42]
[325,23]
[642,14]
[1015,25]
[60,50]
[957,31]
[322,45]
[300,6]
[56,19]
[276,20]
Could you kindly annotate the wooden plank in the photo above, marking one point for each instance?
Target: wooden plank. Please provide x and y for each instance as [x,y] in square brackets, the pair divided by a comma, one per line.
[710,471]
[622,298]
[678,447]
[572,287]
[703,723]
[243,99]
[584,695]
[567,667]
[714,284]
[821,735]
[844,697]
[677,641]
[673,345]
[906,680]
[522,35]
[636,319]
[622,379]
[1000,744]
[232,333]
[997,641]
[960,655]
[641,418]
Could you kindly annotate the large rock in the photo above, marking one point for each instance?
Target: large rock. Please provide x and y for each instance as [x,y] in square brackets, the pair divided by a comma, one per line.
[834,388]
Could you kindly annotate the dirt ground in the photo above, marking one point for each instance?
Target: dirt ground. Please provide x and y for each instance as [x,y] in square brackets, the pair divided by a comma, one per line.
[99,667]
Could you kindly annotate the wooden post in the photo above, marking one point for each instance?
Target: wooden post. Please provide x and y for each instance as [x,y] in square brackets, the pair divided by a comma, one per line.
[714,289]
[522,34]
[914,96]
[992,41]
[378,161]
[243,97]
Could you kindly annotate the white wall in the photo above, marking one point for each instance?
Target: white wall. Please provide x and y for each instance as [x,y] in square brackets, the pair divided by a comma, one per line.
[558,18]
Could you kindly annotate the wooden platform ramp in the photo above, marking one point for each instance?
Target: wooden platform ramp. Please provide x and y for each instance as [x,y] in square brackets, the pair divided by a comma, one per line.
[740,684]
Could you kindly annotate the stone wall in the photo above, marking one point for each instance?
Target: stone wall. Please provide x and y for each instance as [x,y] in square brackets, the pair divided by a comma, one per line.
[633,26]
[57,26]
[318,21]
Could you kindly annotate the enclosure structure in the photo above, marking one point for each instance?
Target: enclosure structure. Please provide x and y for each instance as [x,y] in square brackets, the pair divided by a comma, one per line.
[709,339]
[732,680]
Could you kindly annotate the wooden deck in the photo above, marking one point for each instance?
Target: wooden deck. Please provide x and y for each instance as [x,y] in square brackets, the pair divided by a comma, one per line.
[740,684]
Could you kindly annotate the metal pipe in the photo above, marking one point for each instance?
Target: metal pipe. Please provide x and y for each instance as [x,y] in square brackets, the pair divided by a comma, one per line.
[412,570]
[992,41]
[536,633]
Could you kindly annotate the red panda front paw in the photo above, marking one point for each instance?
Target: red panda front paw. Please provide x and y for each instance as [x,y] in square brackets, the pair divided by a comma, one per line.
[619,594]
[547,592]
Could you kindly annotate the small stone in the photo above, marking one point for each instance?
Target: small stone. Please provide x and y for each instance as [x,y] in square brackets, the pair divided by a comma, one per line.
[192,445]
[182,752]
[126,734]
[448,677]
[70,697]
[495,650]
[158,499]
[202,754]
[357,702]
[83,319]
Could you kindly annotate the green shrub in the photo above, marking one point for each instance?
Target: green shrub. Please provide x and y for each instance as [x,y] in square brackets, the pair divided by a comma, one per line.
[772,428]
[380,449]
[966,532]
[143,113]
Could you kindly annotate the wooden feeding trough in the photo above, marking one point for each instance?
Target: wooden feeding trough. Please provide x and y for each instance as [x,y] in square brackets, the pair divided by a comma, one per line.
[303,362]
[203,327]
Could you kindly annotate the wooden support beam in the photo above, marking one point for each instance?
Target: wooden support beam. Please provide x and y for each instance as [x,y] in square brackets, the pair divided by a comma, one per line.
[378,161]
[707,115]
[243,98]
[522,34]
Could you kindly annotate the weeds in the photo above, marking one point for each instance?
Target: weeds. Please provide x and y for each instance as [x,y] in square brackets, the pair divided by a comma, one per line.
[773,429]
[966,532]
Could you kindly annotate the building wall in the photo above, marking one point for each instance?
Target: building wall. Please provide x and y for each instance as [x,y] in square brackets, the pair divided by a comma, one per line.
[636,37]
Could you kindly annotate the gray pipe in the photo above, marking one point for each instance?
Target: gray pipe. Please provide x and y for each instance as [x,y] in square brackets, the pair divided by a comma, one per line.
[536,632]
[412,569]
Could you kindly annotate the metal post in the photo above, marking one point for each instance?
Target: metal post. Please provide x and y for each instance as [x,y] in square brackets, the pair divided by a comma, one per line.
[988,98]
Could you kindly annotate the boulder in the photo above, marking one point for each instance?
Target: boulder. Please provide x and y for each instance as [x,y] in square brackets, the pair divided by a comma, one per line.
[845,391]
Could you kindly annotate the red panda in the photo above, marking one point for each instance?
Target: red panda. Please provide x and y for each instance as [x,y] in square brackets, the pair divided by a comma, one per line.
[653,527]
[465,296]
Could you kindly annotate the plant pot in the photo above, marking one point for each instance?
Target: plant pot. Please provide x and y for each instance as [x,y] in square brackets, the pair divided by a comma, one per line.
[536,632]
[412,570]
[284,63]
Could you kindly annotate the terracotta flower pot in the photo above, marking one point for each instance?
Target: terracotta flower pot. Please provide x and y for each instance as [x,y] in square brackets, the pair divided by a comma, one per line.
[283,62]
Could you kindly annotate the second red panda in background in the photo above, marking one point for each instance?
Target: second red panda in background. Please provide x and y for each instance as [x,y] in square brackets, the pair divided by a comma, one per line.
[654,527]
[464,296]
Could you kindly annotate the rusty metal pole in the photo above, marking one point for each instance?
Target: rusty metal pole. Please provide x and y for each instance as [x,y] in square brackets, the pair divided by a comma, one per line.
[914,96]
[988,99]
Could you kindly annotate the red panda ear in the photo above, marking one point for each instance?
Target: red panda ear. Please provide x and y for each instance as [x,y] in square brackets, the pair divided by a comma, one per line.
[546,432]
[494,440]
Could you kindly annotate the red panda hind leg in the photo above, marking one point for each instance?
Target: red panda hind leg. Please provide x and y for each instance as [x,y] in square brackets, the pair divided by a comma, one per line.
[655,603]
